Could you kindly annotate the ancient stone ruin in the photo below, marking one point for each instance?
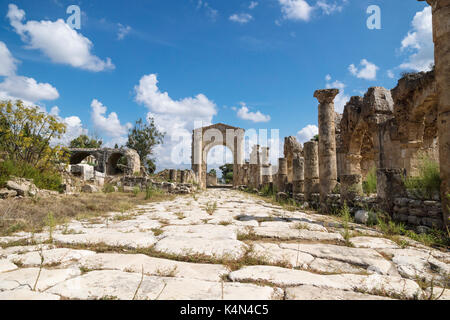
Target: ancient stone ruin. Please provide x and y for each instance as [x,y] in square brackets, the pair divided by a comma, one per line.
[388,130]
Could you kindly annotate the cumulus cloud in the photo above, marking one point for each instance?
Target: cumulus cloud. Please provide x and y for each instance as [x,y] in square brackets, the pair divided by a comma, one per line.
[14,87]
[57,41]
[25,88]
[123,31]
[296,9]
[241,18]
[177,118]
[341,99]
[302,10]
[74,127]
[8,65]
[419,42]
[368,70]
[307,133]
[109,125]
[245,114]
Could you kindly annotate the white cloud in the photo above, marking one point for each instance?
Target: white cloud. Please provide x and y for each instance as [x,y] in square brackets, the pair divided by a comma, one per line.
[8,64]
[341,99]
[245,114]
[419,41]
[296,9]
[177,118]
[25,88]
[123,31]
[74,128]
[367,72]
[253,5]
[108,125]
[57,41]
[330,8]
[241,18]
[390,74]
[328,77]
[307,133]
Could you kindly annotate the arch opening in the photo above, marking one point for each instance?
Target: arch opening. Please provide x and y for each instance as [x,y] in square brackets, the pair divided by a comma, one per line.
[219,157]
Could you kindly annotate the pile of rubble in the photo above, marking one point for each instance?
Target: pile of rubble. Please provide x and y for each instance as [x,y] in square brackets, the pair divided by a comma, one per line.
[21,187]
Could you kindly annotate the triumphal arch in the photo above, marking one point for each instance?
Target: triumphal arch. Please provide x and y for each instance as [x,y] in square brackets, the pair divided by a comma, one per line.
[204,139]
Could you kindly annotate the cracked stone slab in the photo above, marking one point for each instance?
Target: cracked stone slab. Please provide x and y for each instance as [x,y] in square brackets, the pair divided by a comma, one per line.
[201,231]
[295,234]
[26,278]
[109,237]
[123,285]
[349,282]
[6,265]
[308,292]
[333,266]
[272,253]
[369,259]
[373,243]
[26,294]
[153,266]
[215,248]
[61,257]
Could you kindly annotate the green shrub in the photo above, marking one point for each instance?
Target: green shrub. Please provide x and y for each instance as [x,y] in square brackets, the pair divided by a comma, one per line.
[428,181]
[43,179]
[108,188]
[370,183]
[136,191]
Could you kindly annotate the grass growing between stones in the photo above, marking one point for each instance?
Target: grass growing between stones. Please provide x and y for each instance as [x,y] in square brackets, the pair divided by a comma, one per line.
[30,214]
[428,181]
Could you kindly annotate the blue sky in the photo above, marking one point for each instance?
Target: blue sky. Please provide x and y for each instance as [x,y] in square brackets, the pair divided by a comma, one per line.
[251,64]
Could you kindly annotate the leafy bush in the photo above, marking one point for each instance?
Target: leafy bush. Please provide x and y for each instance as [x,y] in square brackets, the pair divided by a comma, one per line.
[370,183]
[428,182]
[108,188]
[136,191]
[43,179]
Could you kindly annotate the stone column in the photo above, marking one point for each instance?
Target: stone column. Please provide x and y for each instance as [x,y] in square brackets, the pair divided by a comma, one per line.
[282,175]
[390,186]
[197,156]
[441,39]
[351,180]
[183,176]
[298,168]
[311,153]
[327,143]
[173,175]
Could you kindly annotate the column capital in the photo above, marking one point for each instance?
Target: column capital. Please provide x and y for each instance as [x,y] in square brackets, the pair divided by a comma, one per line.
[326,95]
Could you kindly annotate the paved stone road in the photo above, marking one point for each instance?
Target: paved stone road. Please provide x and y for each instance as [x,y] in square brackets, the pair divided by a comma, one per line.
[240,248]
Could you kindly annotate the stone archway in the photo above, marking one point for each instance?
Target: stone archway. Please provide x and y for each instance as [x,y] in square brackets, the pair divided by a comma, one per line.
[107,159]
[204,139]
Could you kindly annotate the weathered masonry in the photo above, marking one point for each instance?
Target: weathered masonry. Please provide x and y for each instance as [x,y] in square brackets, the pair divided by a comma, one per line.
[107,160]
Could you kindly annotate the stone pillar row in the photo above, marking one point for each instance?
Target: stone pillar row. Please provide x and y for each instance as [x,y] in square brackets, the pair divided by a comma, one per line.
[311,152]
[298,180]
[327,143]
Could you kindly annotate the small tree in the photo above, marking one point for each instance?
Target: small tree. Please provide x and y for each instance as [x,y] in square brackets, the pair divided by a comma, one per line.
[83,141]
[26,133]
[143,137]
[213,172]
[227,172]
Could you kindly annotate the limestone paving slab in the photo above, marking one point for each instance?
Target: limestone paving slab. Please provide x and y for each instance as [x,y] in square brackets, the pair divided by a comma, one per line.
[26,277]
[153,266]
[349,282]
